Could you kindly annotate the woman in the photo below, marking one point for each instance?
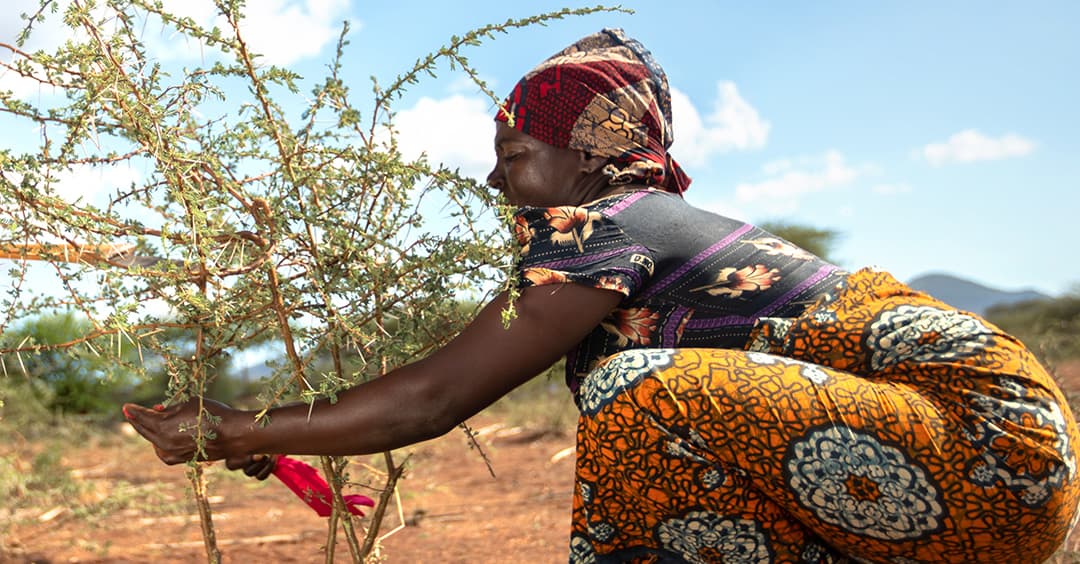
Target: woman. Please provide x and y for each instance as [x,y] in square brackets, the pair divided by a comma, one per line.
[740,399]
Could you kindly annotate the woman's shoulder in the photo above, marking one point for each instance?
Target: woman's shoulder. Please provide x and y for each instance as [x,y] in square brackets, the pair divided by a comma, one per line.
[646,213]
[653,210]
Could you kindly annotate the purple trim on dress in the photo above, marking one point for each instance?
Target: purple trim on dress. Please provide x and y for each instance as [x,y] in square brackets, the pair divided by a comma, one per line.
[715,322]
[559,264]
[802,286]
[690,264]
[625,203]
[674,320]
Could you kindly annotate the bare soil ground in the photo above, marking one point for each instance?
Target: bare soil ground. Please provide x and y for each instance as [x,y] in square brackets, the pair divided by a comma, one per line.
[453,510]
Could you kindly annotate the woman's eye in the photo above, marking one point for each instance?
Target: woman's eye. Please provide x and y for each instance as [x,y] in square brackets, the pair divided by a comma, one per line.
[510,157]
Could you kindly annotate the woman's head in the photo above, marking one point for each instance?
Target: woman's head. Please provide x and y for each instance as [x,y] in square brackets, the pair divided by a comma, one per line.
[604,96]
[530,172]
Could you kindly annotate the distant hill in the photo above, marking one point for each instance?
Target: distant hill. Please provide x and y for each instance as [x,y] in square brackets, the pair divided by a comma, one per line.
[967,295]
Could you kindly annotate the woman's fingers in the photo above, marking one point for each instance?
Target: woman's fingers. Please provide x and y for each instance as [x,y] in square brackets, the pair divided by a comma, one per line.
[174,430]
[267,468]
[254,465]
[171,445]
[139,418]
[133,411]
[258,466]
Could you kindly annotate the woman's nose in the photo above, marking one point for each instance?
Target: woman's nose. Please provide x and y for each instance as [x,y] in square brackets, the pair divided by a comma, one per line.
[495,179]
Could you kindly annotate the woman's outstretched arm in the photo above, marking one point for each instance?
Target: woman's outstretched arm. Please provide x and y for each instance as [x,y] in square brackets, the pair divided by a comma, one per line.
[416,402]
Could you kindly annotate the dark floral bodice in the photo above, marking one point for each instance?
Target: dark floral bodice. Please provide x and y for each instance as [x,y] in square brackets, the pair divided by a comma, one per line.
[690,278]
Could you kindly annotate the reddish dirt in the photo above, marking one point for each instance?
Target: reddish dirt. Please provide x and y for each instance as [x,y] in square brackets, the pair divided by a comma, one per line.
[1068,376]
[455,511]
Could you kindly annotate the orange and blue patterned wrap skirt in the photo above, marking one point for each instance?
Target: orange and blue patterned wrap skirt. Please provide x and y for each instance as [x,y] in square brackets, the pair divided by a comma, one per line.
[881,425]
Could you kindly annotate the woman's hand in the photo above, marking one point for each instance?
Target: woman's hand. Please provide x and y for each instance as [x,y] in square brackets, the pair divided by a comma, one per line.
[172,430]
[258,466]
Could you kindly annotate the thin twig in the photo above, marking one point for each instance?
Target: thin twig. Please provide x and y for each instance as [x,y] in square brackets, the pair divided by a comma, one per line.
[206,519]
[393,474]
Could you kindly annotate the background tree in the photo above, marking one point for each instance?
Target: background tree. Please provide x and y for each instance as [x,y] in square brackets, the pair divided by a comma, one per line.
[816,240]
[1050,327]
[81,380]
[306,227]
[90,379]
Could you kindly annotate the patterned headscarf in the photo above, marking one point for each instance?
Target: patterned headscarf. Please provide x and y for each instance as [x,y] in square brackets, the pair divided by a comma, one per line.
[604,95]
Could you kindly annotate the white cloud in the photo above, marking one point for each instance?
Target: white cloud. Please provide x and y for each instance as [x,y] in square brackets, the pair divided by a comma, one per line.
[789,180]
[734,124]
[456,131]
[89,185]
[282,31]
[21,87]
[85,184]
[82,185]
[285,32]
[970,145]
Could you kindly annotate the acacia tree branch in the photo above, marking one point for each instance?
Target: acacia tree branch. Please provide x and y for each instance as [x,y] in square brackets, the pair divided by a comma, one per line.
[312,236]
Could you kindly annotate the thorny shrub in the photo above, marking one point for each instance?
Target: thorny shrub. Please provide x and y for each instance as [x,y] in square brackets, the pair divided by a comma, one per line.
[240,222]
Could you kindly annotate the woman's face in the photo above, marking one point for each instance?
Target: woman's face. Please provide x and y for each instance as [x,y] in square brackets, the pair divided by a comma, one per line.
[530,172]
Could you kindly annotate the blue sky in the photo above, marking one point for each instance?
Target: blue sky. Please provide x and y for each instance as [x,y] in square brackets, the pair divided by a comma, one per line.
[934,136]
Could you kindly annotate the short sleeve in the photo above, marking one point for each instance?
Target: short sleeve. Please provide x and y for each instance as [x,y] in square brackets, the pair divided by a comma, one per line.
[579,245]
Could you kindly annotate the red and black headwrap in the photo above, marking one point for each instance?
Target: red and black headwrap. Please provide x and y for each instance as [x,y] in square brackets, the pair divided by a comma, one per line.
[604,95]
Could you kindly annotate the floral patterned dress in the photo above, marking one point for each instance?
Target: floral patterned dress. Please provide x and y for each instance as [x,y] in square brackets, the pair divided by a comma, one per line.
[691,278]
[748,402]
